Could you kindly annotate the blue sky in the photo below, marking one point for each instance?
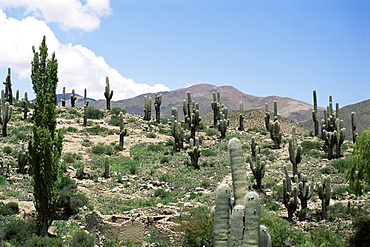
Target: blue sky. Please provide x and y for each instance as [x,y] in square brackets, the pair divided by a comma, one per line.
[263,48]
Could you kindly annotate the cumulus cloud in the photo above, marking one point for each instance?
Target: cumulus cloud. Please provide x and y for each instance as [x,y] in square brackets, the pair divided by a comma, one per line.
[69,14]
[79,67]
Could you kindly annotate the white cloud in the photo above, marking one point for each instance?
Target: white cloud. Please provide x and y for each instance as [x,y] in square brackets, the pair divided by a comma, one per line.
[70,14]
[79,67]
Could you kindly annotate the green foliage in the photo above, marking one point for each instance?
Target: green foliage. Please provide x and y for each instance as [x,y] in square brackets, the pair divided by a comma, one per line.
[340,164]
[96,130]
[70,158]
[361,225]
[208,152]
[307,146]
[197,226]
[38,241]
[100,149]
[117,111]
[94,113]
[9,208]
[358,173]
[324,237]
[151,135]
[82,239]
[17,231]
[325,170]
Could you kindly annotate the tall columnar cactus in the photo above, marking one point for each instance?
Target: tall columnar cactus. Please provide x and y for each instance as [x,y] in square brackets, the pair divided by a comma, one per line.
[339,135]
[194,121]
[275,108]
[5,116]
[108,94]
[147,108]
[275,133]
[177,133]
[25,105]
[175,113]
[188,108]
[122,131]
[241,225]
[329,138]
[73,98]
[64,96]
[157,106]
[295,152]
[253,147]
[8,88]
[85,116]
[22,159]
[225,110]
[314,114]
[17,94]
[353,124]
[216,106]
[238,171]
[267,117]
[241,117]
[106,166]
[194,152]
[257,164]
[290,195]
[324,194]
[86,102]
[305,191]
[222,125]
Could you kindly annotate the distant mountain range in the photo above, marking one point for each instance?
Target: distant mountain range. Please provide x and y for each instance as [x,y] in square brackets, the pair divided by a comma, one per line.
[295,110]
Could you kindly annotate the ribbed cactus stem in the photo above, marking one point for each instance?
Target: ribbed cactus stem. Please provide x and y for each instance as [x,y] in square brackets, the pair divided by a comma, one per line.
[86,102]
[275,133]
[85,116]
[157,106]
[106,166]
[25,105]
[8,88]
[216,105]
[177,133]
[339,135]
[253,147]
[175,113]
[257,164]
[5,116]
[241,117]
[265,238]
[108,94]
[22,159]
[221,216]
[122,131]
[64,96]
[194,122]
[252,219]
[314,114]
[147,108]
[73,98]
[295,151]
[194,152]
[17,94]
[324,194]
[305,190]
[222,125]
[237,226]
[275,108]
[330,141]
[353,125]
[290,195]
[238,171]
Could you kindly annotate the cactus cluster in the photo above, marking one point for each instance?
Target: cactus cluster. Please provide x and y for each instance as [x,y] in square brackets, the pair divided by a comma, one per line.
[295,152]
[290,194]
[108,94]
[5,113]
[8,88]
[176,131]
[324,194]
[257,163]
[147,108]
[73,98]
[216,106]
[194,152]
[64,97]
[275,132]
[305,191]
[157,106]
[22,159]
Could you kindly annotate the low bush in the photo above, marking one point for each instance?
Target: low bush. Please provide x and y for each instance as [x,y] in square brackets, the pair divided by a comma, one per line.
[94,113]
[9,208]
[81,238]
[17,231]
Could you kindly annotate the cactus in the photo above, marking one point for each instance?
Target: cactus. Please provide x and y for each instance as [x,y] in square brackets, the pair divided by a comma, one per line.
[267,117]
[178,133]
[339,135]
[85,116]
[175,113]
[157,105]
[275,108]
[241,117]
[314,114]
[330,142]
[194,152]
[238,171]
[252,219]
[64,97]
[8,88]
[236,225]
[73,98]
[108,94]
[5,116]
[221,216]
[22,159]
[353,124]
[216,105]
[25,105]
[17,94]
[290,195]
[257,163]
[86,102]
[194,121]
[147,108]
[295,152]
[222,125]
[122,131]
[253,147]
[305,191]
[324,194]
[188,108]
[275,133]
[106,166]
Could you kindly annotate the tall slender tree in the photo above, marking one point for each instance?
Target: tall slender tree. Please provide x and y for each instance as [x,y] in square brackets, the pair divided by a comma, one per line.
[46,144]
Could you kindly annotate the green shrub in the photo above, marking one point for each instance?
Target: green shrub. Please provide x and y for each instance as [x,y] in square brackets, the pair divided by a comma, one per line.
[70,129]
[96,130]
[70,158]
[151,135]
[307,146]
[94,113]
[207,153]
[38,241]
[211,132]
[325,170]
[82,239]
[324,237]
[340,164]
[2,180]
[117,110]
[7,150]
[161,193]
[164,159]
[17,231]
[9,208]
[114,120]
[361,225]
[100,149]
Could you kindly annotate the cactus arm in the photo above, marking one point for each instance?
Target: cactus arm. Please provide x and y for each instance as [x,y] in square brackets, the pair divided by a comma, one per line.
[106,166]
[221,216]
[157,105]
[108,94]
[324,194]
[314,114]
[194,152]
[64,96]
[252,219]
[353,124]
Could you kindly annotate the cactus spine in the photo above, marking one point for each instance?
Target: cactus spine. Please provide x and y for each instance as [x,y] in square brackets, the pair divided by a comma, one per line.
[122,131]
[25,105]
[177,133]
[108,94]
[221,216]
[222,125]
[257,164]
[238,171]
[64,97]
[157,105]
[216,106]
[73,98]
[290,195]
[295,152]
[241,117]
[324,194]
[194,152]
[8,88]
[147,108]
[353,124]
[106,166]
[314,114]
[22,159]
[5,115]
[339,135]
[194,121]
[275,132]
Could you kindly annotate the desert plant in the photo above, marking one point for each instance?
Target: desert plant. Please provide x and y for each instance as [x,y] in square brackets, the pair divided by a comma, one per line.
[106,166]
[257,163]
[290,194]
[73,98]
[222,125]
[305,192]
[241,117]
[64,97]
[122,131]
[108,94]
[178,133]
[324,194]
[275,132]
[354,126]
[5,113]
[194,152]
[295,152]
[8,88]
[81,238]
[314,114]
[25,105]
[157,106]
[147,108]
[216,106]
[22,159]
